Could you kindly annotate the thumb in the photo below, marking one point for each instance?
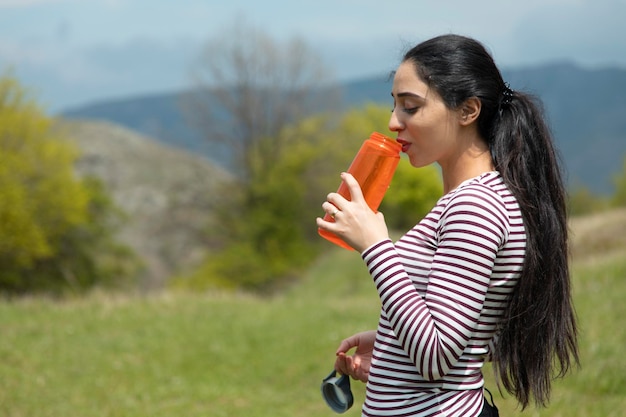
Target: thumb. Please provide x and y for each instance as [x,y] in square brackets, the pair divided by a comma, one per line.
[356,194]
[347,344]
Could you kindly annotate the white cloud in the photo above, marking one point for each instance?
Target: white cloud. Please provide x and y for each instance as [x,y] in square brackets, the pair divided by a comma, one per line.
[65,76]
[82,49]
[11,4]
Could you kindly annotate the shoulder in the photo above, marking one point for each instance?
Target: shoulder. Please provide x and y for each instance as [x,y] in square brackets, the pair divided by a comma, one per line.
[486,190]
[482,200]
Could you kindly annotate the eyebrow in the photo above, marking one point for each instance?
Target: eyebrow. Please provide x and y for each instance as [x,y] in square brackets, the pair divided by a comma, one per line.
[407,94]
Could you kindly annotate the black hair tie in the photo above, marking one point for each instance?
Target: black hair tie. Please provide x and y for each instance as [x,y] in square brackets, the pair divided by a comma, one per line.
[507,95]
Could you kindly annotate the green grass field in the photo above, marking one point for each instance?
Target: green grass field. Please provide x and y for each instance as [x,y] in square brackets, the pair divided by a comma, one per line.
[232,355]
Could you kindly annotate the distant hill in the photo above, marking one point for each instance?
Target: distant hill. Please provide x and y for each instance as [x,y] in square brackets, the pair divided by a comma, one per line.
[586,110]
[168,194]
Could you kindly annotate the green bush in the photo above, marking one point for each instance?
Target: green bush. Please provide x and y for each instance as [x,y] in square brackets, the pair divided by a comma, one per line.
[266,224]
[54,226]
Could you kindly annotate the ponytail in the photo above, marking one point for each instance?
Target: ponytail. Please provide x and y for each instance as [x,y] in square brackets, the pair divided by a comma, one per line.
[538,336]
[539,323]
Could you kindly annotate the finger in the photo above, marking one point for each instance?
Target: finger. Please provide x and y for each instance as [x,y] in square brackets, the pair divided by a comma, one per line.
[329,208]
[347,344]
[336,200]
[356,194]
[353,369]
[350,366]
[341,364]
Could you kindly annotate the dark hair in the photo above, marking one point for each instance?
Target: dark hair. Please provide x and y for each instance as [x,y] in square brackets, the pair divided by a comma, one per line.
[539,322]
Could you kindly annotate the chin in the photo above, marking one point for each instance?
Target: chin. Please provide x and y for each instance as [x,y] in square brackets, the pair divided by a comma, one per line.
[419,163]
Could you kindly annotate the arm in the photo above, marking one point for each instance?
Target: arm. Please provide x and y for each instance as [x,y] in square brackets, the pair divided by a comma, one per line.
[435,329]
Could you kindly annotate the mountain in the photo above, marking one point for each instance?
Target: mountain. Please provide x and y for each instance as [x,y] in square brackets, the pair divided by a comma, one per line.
[166,193]
[586,109]
[587,113]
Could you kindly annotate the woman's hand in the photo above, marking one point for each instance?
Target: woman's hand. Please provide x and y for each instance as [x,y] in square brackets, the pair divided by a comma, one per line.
[357,365]
[354,221]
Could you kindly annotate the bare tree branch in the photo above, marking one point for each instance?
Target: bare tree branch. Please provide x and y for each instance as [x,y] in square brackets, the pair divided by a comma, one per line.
[248,87]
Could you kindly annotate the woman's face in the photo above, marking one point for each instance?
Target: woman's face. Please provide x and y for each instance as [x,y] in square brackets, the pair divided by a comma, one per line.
[425,127]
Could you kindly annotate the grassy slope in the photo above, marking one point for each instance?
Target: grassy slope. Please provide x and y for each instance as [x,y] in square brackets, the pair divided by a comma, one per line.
[233,355]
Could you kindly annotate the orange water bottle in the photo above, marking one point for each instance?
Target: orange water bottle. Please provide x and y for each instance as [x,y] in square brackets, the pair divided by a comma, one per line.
[373,167]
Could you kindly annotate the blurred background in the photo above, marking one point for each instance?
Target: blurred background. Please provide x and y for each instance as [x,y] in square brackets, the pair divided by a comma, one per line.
[75,52]
[162,164]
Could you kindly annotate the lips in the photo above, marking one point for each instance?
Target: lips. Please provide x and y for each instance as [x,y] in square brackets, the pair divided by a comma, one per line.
[405,144]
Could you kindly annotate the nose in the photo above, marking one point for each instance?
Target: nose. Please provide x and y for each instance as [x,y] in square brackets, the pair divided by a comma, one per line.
[394,123]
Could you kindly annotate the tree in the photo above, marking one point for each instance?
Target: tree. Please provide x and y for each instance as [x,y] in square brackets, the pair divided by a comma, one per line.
[45,211]
[39,198]
[248,87]
[274,233]
[268,229]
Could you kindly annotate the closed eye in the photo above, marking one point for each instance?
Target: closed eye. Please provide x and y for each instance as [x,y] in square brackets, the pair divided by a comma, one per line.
[408,110]
[410,99]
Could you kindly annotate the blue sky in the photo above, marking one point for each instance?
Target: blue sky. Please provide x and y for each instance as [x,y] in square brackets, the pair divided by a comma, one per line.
[73,52]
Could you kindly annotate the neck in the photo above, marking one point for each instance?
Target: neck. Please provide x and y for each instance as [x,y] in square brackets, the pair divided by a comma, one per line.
[470,162]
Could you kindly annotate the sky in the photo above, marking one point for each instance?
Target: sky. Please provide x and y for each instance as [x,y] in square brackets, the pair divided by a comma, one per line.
[70,53]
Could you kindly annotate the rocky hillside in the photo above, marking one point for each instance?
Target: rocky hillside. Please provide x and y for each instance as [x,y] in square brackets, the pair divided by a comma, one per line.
[168,194]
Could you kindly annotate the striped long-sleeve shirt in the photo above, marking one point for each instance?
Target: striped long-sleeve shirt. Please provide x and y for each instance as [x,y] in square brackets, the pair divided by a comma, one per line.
[443,287]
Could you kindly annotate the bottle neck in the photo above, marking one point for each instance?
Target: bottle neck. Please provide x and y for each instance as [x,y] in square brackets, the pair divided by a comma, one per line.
[386,143]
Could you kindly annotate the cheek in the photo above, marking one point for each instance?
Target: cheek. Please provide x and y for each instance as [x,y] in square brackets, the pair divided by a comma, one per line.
[430,145]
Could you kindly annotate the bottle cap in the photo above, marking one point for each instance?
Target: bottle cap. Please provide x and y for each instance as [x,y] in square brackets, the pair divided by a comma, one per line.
[336,391]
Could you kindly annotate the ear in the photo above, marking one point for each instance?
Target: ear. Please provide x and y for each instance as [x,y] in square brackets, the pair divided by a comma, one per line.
[470,110]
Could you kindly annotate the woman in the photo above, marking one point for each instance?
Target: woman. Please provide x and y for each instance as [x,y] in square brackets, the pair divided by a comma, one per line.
[484,276]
